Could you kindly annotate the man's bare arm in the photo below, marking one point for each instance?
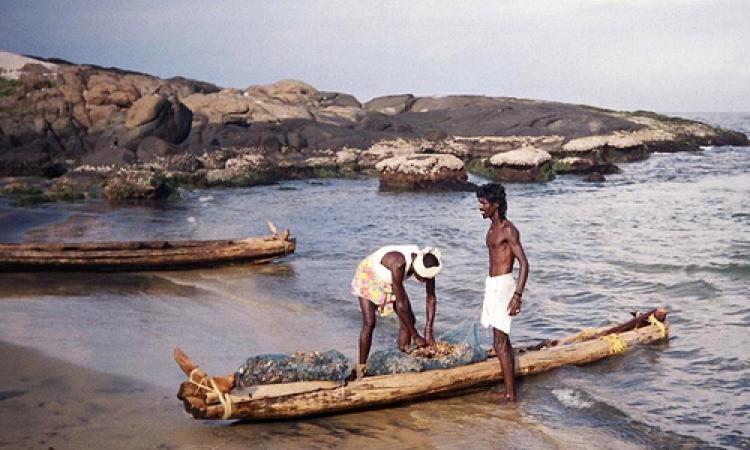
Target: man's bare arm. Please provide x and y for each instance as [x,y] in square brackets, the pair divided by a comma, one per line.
[397,266]
[431,302]
[514,240]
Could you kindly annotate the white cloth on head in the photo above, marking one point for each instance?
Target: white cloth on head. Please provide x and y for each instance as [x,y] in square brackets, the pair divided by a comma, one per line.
[424,271]
[498,292]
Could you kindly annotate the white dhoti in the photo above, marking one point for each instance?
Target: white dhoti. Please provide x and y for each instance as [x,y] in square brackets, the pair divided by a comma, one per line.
[498,292]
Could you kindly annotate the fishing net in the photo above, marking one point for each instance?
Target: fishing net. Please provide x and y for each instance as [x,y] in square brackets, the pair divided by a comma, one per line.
[458,347]
[299,366]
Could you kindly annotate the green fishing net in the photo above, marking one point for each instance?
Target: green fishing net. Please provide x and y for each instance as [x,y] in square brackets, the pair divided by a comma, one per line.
[299,366]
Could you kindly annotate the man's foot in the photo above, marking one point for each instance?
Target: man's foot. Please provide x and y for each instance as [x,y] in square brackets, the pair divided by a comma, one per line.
[501,397]
[360,370]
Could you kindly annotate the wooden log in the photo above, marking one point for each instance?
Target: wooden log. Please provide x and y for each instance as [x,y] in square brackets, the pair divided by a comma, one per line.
[274,390]
[638,320]
[391,389]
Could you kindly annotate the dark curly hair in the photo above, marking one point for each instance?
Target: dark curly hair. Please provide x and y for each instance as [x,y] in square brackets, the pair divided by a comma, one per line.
[495,193]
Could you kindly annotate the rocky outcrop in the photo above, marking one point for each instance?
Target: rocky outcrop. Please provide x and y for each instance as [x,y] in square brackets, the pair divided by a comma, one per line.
[423,172]
[63,114]
[527,164]
[57,117]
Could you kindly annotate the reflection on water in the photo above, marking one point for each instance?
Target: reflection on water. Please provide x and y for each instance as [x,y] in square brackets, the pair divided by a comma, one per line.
[669,231]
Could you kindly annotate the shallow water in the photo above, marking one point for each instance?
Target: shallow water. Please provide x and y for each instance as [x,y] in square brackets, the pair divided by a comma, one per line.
[671,231]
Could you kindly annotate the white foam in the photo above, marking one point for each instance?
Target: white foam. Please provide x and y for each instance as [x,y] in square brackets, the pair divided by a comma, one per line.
[571,398]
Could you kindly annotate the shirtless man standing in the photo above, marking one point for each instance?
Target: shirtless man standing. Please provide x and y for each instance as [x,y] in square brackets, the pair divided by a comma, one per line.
[502,296]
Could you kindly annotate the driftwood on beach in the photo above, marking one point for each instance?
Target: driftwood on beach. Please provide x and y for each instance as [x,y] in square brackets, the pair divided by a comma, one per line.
[205,400]
[143,255]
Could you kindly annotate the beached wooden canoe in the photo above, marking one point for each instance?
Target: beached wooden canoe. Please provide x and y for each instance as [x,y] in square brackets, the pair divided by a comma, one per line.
[294,400]
[143,255]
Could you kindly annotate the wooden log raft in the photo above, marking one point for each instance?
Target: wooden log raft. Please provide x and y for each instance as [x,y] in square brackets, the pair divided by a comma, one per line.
[294,400]
[143,255]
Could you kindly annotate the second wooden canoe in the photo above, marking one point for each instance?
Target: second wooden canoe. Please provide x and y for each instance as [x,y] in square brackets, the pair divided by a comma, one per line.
[142,255]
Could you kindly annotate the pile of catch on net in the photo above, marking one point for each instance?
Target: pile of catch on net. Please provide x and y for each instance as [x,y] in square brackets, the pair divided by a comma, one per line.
[334,366]
[299,366]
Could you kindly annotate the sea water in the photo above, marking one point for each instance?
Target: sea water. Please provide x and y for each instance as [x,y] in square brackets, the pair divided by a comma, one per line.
[670,231]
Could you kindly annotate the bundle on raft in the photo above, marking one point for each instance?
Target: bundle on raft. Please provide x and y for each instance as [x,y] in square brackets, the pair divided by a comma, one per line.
[211,398]
[143,255]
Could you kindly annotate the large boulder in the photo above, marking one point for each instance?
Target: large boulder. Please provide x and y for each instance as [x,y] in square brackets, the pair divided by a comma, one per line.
[154,115]
[285,91]
[423,172]
[107,89]
[526,164]
[136,185]
[338,99]
[390,104]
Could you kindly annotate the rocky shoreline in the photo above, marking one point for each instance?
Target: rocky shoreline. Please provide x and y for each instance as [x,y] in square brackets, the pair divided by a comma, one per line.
[71,131]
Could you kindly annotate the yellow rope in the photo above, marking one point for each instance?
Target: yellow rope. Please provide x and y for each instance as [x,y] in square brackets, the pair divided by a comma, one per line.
[654,321]
[616,343]
[226,402]
[584,334]
[224,399]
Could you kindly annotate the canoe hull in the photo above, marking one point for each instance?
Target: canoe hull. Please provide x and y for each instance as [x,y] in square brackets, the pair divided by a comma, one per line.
[140,255]
[386,390]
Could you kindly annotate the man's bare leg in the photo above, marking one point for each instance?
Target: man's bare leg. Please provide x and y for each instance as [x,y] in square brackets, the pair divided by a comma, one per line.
[505,355]
[225,384]
[368,309]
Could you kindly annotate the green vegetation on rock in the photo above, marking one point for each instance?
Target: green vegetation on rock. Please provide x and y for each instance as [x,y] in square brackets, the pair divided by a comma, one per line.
[8,87]
[478,167]
[30,199]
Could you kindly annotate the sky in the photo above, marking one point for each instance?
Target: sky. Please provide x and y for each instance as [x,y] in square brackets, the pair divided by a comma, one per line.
[659,55]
